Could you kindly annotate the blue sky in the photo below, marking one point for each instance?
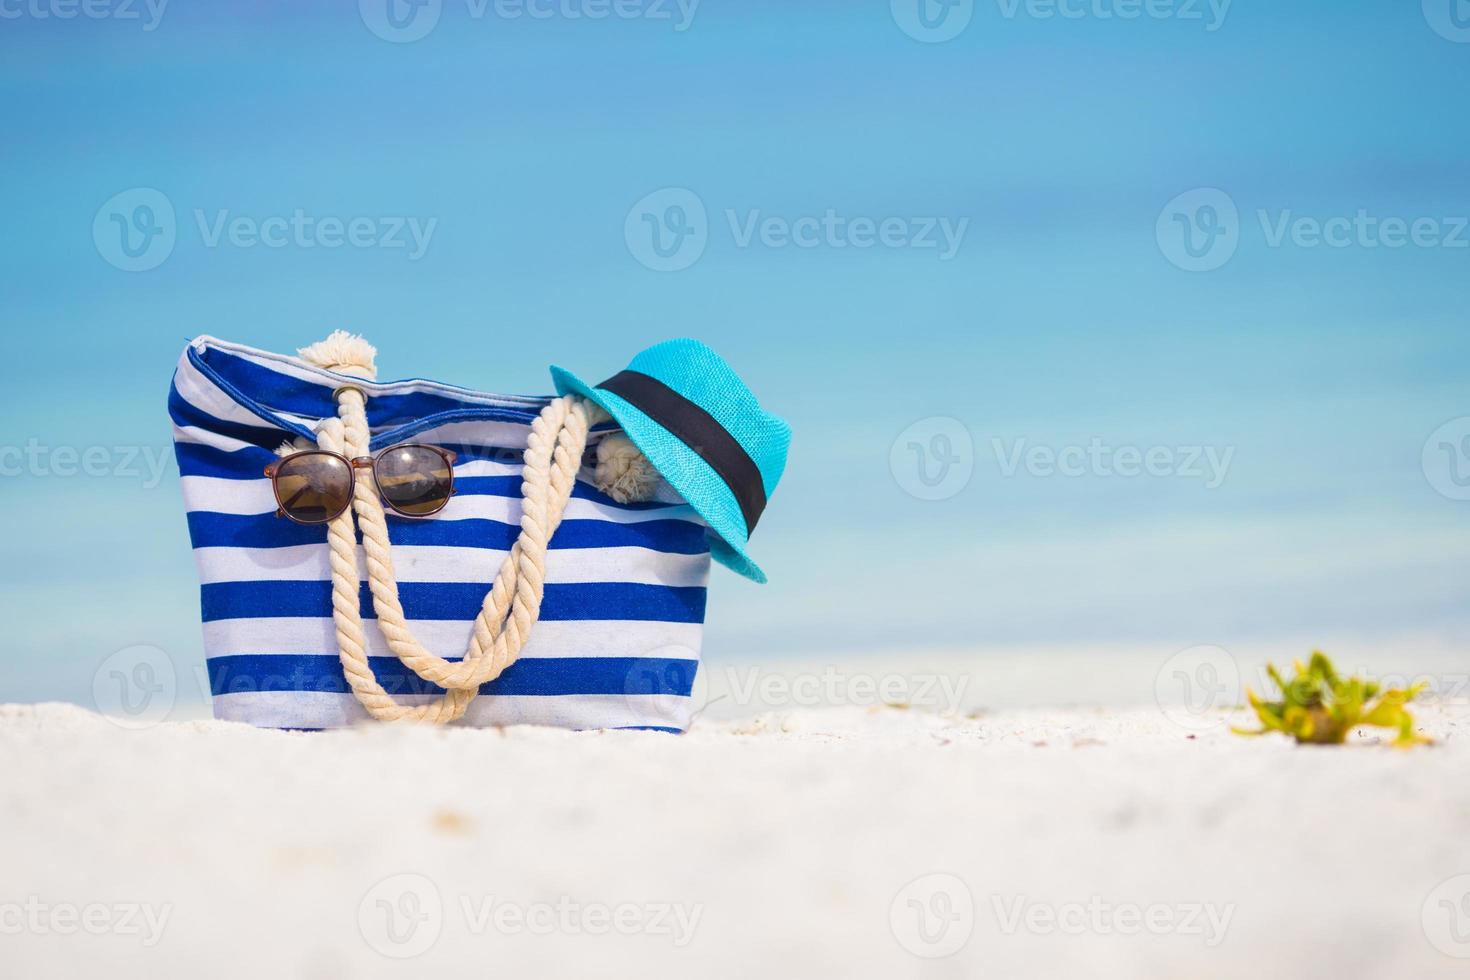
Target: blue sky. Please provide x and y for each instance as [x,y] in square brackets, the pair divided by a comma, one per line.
[1063,319]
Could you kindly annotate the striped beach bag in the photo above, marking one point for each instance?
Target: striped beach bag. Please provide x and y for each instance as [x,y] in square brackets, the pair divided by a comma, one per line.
[543,592]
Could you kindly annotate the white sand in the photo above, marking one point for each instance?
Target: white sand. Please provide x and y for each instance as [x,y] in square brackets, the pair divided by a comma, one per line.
[775,847]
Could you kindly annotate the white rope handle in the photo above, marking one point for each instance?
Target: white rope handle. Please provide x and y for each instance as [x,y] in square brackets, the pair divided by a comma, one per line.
[513,603]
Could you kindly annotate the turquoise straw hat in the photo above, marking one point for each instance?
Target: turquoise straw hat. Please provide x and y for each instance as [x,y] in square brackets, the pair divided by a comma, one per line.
[705,433]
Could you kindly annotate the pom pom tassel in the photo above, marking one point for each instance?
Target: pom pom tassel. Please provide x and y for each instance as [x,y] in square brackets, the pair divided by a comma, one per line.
[298,445]
[623,472]
[343,353]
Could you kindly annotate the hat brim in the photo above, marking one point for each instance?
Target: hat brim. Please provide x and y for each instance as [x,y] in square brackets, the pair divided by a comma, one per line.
[684,470]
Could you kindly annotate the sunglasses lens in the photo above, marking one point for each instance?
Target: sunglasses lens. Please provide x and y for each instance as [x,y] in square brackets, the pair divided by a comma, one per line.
[313,488]
[414,480]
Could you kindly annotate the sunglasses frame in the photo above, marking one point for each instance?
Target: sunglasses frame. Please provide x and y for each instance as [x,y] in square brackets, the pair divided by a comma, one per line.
[353,465]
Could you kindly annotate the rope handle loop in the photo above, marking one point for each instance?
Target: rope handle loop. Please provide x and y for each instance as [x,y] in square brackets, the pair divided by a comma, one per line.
[512,605]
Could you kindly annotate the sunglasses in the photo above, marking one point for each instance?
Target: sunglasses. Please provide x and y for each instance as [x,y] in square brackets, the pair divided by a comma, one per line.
[314,486]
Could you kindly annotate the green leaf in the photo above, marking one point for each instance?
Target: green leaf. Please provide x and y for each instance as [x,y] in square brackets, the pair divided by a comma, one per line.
[1320,706]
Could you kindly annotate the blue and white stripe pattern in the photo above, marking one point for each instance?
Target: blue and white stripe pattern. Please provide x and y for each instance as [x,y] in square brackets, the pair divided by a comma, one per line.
[617,645]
